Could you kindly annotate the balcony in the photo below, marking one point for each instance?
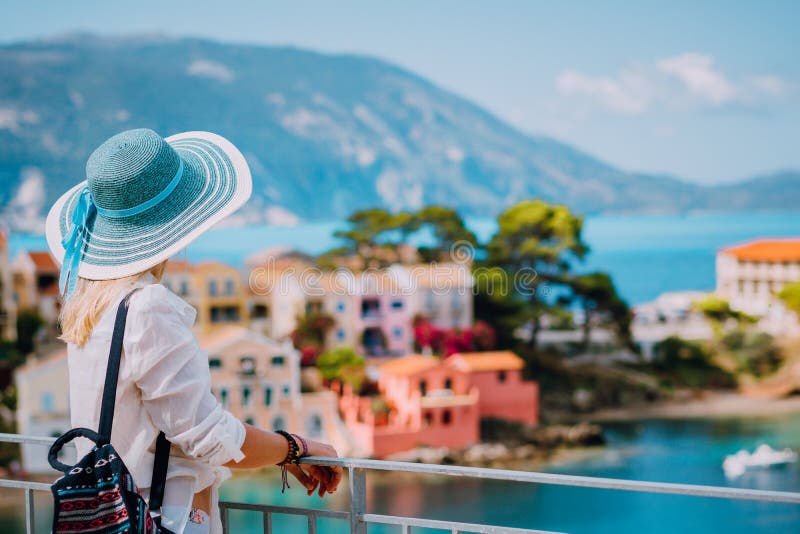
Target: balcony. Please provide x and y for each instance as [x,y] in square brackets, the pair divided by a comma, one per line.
[358,519]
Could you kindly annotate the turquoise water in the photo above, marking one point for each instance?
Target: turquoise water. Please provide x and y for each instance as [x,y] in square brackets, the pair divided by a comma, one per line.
[646,255]
[665,451]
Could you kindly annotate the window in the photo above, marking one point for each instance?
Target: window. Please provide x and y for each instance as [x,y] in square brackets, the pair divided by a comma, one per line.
[230,287]
[397,332]
[340,306]
[246,396]
[224,314]
[250,421]
[184,288]
[223,396]
[447,417]
[423,387]
[501,376]
[214,363]
[340,334]
[286,390]
[212,288]
[268,396]
[314,426]
[428,418]
[260,311]
[248,365]
[278,360]
[397,304]
[448,383]
[47,402]
[278,423]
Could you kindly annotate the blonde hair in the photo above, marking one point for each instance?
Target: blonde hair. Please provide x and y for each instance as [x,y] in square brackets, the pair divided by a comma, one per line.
[90,299]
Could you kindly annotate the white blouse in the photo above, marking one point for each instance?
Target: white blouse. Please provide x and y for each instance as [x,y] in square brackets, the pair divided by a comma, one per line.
[164,385]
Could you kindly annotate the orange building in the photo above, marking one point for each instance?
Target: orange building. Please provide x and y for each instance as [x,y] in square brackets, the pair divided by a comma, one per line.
[35,284]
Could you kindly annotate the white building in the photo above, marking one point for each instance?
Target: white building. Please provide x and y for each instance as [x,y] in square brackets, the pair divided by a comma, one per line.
[750,275]
[43,406]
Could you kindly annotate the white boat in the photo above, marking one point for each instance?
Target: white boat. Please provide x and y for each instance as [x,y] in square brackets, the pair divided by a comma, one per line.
[763,457]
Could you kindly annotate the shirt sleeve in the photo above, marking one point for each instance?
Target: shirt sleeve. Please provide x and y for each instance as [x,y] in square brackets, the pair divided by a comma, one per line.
[173,375]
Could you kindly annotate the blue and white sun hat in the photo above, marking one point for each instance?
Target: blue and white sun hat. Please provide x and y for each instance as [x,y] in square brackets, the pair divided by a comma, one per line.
[145,198]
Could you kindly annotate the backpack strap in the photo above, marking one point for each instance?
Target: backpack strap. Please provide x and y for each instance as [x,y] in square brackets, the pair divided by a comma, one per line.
[112,371]
[161,461]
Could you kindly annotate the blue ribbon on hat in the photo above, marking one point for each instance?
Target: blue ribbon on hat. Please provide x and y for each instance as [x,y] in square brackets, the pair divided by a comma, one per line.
[74,242]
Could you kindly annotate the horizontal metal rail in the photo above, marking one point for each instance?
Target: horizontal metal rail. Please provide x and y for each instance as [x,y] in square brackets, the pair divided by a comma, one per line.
[563,480]
[358,517]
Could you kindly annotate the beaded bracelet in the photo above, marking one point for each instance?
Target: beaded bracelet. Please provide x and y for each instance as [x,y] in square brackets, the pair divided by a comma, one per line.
[292,457]
[303,441]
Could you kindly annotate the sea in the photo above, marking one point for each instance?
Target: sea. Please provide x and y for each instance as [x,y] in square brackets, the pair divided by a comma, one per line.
[646,255]
[680,451]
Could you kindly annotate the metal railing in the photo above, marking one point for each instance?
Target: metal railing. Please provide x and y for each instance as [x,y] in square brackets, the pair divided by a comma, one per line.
[358,517]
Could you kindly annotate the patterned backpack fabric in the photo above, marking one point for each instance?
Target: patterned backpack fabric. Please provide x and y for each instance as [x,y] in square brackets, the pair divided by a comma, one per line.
[98,494]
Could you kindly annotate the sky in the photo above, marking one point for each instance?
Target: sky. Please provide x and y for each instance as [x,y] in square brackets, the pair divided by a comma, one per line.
[705,90]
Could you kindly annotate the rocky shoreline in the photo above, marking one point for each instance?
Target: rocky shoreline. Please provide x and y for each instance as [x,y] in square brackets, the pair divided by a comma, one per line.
[528,447]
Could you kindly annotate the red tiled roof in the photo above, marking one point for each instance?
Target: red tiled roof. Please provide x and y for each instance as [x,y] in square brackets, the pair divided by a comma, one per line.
[43,262]
[409,365]
[501,360]
[773,250]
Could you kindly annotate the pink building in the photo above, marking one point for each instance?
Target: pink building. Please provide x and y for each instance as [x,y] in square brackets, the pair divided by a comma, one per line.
[499,373]
[419,402]
[425,401]
[371,312]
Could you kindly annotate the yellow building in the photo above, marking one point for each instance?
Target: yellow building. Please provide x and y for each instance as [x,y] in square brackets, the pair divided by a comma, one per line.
[215,290]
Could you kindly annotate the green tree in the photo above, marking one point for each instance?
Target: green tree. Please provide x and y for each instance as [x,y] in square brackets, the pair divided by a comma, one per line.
[28,324]
[597,296]
[536,245]
[342,363]
[790,295]
[447,228]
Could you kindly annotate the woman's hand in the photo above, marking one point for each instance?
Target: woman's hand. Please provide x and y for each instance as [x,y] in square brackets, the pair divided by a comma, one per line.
[316,477]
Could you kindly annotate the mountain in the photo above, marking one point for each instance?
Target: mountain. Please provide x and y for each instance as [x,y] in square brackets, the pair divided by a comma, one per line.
[323,134]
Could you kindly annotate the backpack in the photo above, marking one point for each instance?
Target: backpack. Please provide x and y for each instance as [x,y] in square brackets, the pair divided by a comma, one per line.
[98,494]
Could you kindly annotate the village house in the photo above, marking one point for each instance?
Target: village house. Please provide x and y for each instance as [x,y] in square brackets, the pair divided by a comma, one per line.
[35,284]
[276,297]
[8,307]
[751,274]
[259,381]
[423,400]
[42,405]
[214,289]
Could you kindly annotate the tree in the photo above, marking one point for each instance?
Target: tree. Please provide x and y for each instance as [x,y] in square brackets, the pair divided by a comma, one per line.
[718,311]
[536,245]
[600,303]
[447,227]
[373,229]
[28,324]
[790,295]
[344,364]
[309,335]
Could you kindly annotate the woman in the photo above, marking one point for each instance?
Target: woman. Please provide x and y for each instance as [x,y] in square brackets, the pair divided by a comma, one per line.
[146,198]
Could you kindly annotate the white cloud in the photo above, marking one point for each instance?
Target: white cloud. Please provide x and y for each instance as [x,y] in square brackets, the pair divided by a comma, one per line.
[698,74]
[12,119]
[770,85]
[628,94]
[681,82]
[23,213]
[210,69]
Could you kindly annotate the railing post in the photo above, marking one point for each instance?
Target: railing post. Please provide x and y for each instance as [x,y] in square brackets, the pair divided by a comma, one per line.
[358,500]
[30,528]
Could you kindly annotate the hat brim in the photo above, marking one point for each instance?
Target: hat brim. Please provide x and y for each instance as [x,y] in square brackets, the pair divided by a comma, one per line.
[216,183]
